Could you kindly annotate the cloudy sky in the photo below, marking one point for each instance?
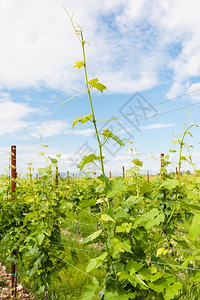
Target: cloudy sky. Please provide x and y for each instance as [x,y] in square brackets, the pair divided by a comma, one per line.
[147,54]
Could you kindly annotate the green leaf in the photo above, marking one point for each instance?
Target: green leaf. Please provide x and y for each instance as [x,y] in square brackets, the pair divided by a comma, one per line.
[53,160]
[158,286]
[82,120]
[145,187]
[107,218]
[78,64]
[44,170]
[149,219]
[41,153]
[108,134]
[141,281]
[96,84]
[118,186]
[196,277]
[121,246]
[90,290]
[95,262]
[88,159]
[130,202]
[183,158]
[92,264]
[124,227]
[92,238]
[132,171]
[116,296]
[137,162]
[40,237]
[172,291]
[134,266]
[194,230]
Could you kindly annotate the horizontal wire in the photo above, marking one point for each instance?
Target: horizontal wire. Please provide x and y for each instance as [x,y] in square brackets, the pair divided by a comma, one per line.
[72,248]
[162,113]
[72,266]
[157,104]
[162,102]
[175,249]
[164,264]
[81,223]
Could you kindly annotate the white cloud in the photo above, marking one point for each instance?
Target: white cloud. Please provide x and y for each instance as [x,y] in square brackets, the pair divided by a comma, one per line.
[15,119]
[175,90]
[84,132]
[194,87]
[47,128]
[13,116]
[157,126]
[133,43]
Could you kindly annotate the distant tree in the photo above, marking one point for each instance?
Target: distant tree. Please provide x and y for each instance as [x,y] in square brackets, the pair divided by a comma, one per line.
[188,172]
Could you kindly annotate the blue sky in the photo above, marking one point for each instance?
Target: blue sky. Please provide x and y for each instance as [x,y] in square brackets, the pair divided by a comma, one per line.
[144,52]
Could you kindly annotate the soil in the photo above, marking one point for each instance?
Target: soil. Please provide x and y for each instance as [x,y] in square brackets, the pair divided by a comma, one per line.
[5,287]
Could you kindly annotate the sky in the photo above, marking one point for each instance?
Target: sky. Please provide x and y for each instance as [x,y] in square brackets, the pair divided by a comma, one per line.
[146,53]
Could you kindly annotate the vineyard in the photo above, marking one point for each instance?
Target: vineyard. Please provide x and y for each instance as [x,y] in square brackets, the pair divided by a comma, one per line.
[102,237]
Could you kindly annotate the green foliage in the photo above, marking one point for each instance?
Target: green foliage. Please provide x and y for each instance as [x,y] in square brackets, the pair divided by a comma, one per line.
[194,231]
[90,158]
[94,83]
[79,64]
[147,233]
[108,134]
[82,120]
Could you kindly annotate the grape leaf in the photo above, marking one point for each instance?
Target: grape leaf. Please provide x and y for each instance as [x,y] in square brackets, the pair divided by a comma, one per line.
[194,230]
[108,134]
[78,64]
[96,84]
[88,159]
[82,120]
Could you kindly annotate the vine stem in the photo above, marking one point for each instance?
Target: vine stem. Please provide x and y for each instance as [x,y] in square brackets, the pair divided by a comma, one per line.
[181,148]
[91,105]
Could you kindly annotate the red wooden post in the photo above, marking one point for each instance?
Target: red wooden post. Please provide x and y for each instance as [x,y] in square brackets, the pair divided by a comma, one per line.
[13,186]
[123,172]
[147,176]
[110,175]
[162,165]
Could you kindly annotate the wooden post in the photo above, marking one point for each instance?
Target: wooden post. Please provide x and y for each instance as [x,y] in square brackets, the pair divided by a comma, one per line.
[56,175]
[13,186]
[110,175]
[176,172]
[162,165]
[147,176]
[123,172]
[45,294]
